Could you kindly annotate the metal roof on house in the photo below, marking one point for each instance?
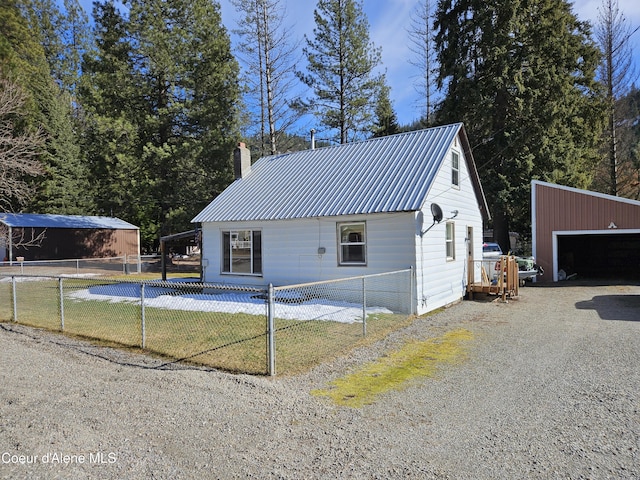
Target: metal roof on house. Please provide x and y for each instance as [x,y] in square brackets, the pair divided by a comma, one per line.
[386,174]
[36,220]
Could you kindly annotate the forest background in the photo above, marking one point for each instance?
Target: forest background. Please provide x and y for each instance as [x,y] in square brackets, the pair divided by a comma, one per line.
[132,109]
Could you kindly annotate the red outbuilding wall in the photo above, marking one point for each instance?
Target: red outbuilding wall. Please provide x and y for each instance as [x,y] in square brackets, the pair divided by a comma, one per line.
[585,231]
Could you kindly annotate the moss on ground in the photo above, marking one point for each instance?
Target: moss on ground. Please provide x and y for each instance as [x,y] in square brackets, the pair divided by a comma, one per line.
[394,371]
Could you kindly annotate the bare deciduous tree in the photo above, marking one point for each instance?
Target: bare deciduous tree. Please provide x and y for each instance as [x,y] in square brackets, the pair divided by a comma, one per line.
[613,34]
[22,238]
[422,45]
[19,151]
[268,53]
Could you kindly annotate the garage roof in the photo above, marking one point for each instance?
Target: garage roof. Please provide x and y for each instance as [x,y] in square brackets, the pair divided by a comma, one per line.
[36,220]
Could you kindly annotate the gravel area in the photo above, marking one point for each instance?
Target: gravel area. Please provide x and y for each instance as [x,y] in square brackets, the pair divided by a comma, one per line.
[550,390]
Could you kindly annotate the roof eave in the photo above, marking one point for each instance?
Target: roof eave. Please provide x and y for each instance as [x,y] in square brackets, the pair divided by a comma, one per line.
[473,174]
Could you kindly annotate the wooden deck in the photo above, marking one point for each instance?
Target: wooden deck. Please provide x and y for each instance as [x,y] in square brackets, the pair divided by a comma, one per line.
[506,285]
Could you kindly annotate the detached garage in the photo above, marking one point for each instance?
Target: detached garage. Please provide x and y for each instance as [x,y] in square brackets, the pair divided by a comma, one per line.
[62,237]
[584,234]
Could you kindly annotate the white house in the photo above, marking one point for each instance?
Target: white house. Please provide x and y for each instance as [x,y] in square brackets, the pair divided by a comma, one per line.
[350,210]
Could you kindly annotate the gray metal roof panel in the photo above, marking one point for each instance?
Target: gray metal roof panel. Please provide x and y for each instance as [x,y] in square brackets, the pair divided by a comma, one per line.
[386,174]
[35,220]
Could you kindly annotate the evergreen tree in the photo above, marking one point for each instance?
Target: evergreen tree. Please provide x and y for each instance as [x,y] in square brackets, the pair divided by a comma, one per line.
[108,95]
[65,188]
[64,185]
[521,76]
[340,71]
[162,92]
[65,36]
[386,119]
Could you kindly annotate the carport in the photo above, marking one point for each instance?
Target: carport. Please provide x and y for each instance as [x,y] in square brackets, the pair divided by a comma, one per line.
[582,234]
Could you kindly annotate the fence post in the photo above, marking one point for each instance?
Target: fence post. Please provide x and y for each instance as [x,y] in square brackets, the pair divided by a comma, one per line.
[364,306]
[14,298]
[142,317]
[61,291]
[271,332]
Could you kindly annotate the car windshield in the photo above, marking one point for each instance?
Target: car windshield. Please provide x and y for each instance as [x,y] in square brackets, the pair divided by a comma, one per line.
[491,247]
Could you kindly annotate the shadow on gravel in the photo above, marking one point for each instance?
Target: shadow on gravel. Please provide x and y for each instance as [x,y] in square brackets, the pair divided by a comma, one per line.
[117,356]
[614,307]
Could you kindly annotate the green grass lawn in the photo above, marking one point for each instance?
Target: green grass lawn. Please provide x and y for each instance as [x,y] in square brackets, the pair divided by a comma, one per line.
[6,303]
[301,345]
[231,342]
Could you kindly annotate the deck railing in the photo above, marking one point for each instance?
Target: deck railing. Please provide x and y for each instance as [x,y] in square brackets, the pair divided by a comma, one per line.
[498,276]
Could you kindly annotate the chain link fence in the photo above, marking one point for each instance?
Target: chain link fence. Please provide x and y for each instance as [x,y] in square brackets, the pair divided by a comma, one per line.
[315,322]
[80,266]
[102,266]
[237,329]
[204,324]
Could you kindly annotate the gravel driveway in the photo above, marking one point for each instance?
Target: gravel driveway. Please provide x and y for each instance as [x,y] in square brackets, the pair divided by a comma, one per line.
[550,389]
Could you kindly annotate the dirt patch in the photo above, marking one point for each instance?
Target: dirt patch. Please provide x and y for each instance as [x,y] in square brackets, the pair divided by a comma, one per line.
[549,390]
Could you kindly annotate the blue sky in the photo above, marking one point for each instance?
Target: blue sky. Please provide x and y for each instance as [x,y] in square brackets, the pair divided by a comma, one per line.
[389,21]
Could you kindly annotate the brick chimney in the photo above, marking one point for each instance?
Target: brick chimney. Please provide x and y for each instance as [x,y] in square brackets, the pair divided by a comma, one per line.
[241,161]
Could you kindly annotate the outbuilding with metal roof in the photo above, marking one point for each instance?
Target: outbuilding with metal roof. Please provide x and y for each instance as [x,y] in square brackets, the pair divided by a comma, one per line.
[583,234]
[57,237]
[349,210]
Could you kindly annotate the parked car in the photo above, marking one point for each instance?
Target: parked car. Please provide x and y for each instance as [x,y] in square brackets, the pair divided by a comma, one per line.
[491,250]
[491,253]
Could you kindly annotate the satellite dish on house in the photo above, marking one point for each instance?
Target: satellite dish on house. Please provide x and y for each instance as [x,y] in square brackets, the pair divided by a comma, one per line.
[436,211]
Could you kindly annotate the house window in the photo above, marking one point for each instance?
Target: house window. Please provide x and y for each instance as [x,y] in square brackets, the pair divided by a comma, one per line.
[450,241]
[352,240]
[455,169]
[242,252]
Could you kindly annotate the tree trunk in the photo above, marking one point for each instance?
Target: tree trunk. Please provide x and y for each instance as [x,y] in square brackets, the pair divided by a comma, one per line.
[501,228]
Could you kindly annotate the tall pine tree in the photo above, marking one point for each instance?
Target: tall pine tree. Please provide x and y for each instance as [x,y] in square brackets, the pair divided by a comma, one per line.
[268,50]
[162,96]
[386,119]
[520,75]
[63,186]
[341,69]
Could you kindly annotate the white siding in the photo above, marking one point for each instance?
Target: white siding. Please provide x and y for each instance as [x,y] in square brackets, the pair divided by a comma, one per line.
[290,248]
[439,281]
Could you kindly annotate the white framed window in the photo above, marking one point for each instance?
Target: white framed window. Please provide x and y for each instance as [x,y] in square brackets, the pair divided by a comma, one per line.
[451,241]
[352,245]
[455,169]
[242,252]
